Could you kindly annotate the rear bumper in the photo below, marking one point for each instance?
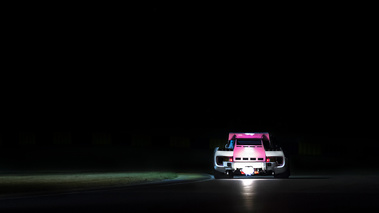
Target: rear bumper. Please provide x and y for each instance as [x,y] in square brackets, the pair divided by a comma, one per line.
[255,165]
[268,168]
[237,167]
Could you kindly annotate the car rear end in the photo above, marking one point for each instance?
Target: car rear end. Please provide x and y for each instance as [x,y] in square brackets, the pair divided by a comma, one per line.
[249,156]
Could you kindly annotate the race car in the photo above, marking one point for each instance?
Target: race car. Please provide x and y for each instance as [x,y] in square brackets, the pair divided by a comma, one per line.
[250,154]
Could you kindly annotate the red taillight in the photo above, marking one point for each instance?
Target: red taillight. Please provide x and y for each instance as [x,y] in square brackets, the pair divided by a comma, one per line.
[230,159]
[256,172]
[267,159]
[242,173]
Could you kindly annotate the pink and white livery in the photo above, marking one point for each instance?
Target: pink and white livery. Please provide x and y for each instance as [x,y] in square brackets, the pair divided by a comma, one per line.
[250,154]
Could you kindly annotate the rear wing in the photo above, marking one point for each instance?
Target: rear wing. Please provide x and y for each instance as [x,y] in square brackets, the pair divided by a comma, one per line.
[264,136]
[256,135]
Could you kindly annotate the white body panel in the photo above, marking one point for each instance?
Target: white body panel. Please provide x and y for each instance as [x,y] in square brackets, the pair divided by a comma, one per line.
[277,154]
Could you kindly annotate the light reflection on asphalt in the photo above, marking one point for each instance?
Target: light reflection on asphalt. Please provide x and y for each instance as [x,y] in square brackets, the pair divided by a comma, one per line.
[248,193]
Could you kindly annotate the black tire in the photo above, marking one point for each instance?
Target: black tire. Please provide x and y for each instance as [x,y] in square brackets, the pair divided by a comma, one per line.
[282,175]
[286,174]
[220,175]
[230,176]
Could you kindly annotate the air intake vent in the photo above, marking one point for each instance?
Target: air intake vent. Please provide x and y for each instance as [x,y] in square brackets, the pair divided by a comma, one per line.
[253,159]
[260,158]
[245,158]
[238,158]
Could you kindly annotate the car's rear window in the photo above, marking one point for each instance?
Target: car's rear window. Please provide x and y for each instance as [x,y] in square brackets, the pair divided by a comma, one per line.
[249,142]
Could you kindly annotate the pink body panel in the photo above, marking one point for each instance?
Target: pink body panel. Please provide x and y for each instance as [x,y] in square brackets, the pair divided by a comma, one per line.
[249,151]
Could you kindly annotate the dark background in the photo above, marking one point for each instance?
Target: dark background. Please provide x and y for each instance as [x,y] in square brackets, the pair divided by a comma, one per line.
[159,86]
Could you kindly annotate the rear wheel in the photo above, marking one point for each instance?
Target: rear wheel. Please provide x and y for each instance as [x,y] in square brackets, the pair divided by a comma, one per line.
[286,174]
[230,175]
[282,175]
[220,175]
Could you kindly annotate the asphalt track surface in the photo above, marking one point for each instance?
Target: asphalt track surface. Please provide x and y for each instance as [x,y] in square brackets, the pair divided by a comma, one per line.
[242,194]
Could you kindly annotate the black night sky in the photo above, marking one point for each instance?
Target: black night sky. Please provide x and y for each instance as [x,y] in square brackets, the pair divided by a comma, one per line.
[189,72]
